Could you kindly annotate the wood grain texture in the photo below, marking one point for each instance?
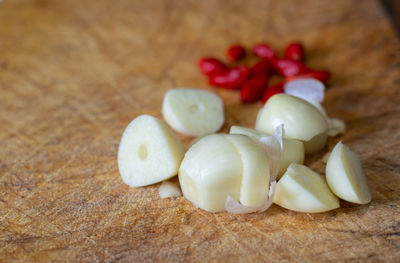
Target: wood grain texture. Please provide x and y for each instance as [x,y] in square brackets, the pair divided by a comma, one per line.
[74,73]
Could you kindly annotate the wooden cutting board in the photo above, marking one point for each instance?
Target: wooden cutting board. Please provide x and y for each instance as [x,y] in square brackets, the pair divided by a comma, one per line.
[73,74]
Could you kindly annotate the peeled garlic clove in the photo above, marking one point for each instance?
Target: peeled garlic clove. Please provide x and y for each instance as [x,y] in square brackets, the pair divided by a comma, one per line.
[317,143]
[302,120]
[345,176]
[255,174]
[149,152]
[210,171]
[303,190]
[218,166]
[293,150]
[192,111]
[336,127]
[306,89]
[169,189]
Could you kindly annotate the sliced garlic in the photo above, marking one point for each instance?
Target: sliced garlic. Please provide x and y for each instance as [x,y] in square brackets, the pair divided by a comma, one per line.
[169,189]
[218,166]
[303,190]
[255,170]
[293,150]
[302,120]
[306,89]
[210,171]
[345,176]
[149,152]
[192,111]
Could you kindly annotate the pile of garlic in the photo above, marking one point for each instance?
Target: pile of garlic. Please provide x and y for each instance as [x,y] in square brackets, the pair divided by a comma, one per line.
[238,172]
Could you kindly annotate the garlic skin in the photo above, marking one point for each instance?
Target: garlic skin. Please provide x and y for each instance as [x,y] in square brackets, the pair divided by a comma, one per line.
[149,152]
[345,176]
[192,111]
[293,150]
[218,166]
[302,120]
[303,190]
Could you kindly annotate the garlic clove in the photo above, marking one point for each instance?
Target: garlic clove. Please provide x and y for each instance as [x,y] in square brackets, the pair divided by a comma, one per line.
[345,176]
[192,111]
[293,150]
[210,171]
[169,189]
[255,170]
[308,89]
[316,144]
[303,190]
[149,152]
[336,127]
[301,119]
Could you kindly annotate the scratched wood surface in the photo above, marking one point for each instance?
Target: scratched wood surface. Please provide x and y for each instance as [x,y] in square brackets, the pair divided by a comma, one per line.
[73,74]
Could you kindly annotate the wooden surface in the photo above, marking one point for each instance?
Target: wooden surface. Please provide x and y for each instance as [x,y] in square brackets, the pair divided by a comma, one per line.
[73,74]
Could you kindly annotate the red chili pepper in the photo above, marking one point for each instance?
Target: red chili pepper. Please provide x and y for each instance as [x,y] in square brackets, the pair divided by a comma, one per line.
[321,75]
[253,89]
[288,68]
[261,67]
[272,90]
[263,50]
[211,66]
[295,51]
[235,53]
[231,79]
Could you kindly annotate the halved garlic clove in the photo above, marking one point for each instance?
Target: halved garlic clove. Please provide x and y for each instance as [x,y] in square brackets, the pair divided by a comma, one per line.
[210,171]
[149,152]
[293,150]
[255,170]
[192,111]
[303,190]
[302,120]
[169,189]
[218,166]
[345,176]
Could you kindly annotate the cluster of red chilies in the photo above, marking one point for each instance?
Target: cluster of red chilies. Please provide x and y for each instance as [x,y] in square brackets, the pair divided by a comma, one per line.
[253,81]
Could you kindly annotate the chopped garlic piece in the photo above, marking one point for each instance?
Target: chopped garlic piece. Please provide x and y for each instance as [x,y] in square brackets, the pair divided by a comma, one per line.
[193,111]
[303,190]
[293,150]
[345,176]
[301,119]
[169,189]
[149,152]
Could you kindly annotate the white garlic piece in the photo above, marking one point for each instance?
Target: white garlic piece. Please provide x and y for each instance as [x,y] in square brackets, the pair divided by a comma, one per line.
[149,152]
[308,89]
[345,176]
[301,119]
[218,166]
[169,189]
[303,190]
[193,111]
[293,150]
